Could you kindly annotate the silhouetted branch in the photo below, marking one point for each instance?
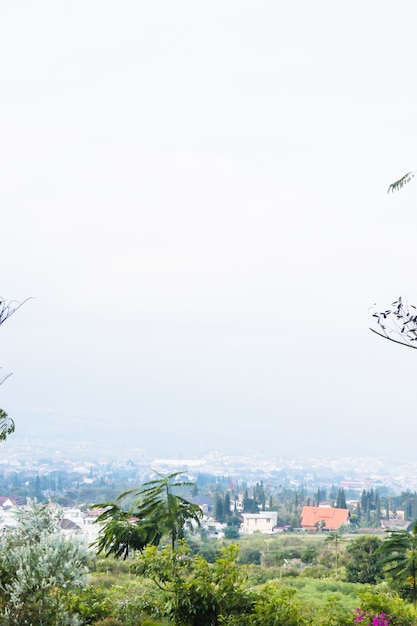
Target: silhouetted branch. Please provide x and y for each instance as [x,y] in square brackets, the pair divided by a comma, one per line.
[5,378]
[8,308]
[400,321]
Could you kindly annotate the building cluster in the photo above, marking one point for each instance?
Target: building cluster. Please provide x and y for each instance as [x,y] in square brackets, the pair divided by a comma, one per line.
[75,522]
[72,521]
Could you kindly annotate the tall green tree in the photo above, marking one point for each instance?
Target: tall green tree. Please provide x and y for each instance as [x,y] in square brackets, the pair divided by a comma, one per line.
[219,508]
[341,499]
[335,537]
[227,511]
[398,554]
[364,564]
[161,505]
[157,510]
[249,504]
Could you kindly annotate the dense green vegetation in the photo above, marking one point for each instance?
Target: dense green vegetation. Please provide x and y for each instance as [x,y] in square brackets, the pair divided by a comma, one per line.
[188,578]
[177,587]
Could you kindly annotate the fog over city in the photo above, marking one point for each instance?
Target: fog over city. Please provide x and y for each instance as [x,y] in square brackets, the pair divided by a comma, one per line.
[194,195]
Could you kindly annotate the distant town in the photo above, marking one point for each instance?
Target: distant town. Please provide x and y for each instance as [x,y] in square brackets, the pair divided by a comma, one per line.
[40,457]
[268,493]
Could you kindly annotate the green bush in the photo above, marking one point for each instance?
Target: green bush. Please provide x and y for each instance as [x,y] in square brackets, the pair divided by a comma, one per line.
[252,557]
[279,607]
[315,571]
[90,603]
[333,613]
[400,612]
[139,599]
[258,575]
[231,532]
[310,554]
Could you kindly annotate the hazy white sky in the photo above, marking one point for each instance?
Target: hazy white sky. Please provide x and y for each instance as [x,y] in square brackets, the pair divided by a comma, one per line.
[194,193]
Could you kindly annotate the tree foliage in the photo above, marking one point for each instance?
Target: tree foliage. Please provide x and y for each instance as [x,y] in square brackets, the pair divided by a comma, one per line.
[341,499]
[399,556]
[157,510]
[177,587]
[123,532]
[7,425]
[399,184]
[197,593]
[364,564]
[373,602]
[38,566]
[397,324]
[279,607]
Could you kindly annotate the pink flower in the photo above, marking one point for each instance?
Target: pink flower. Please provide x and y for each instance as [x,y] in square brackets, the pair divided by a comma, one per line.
[382,619]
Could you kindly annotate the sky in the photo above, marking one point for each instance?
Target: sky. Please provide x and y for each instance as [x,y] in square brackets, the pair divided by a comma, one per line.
[194,196]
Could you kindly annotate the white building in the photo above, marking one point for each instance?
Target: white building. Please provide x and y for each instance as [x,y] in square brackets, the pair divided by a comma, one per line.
[76,522]
[262,522]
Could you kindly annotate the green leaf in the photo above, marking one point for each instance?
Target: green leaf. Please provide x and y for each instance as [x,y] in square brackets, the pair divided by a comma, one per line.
[399,184]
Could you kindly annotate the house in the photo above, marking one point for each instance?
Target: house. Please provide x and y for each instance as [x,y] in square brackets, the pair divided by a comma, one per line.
[69,527]
[262,522]
[395,524]
[8,508]
[75,522]
[323,518]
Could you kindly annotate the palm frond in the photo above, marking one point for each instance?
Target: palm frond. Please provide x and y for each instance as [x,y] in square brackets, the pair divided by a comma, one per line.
[399,184]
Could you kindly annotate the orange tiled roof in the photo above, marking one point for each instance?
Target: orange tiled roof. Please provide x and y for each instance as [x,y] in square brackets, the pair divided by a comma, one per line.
[333,518]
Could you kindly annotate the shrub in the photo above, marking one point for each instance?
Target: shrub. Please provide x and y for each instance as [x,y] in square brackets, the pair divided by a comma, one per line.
[250,557]
[400,612]
[90,603]
[39,568]
[279,607]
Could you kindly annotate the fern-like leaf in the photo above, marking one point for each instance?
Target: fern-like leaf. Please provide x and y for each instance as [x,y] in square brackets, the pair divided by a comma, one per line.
[399,184]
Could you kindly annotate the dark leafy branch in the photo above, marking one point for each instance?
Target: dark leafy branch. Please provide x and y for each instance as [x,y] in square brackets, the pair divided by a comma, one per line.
[397,324]
[123,532]
[7,308]
[7,425]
